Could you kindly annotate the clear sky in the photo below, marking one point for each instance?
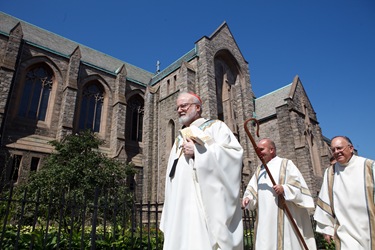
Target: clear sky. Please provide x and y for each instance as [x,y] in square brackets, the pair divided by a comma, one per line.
[329,44]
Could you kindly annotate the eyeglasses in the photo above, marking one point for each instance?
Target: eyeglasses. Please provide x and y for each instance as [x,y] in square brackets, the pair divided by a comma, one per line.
[339,149]
[185,106]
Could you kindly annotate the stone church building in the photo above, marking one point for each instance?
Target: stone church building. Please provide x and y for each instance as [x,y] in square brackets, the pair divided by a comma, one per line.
[51,86]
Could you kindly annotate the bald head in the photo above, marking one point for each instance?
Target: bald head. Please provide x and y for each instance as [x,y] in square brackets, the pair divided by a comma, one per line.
[267,149]
[342,149]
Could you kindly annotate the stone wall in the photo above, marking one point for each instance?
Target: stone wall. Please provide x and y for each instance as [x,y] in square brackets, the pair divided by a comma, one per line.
[289,127]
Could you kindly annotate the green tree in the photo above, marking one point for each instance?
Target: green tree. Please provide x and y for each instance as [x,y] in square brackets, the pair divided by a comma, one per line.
[71,175]
[78,165]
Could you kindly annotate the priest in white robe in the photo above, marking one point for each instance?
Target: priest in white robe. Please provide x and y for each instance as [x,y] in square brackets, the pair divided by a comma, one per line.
[202,207]
[345,209]
[273,228]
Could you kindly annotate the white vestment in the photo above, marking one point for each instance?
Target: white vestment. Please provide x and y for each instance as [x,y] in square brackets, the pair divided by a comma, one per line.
[273,228]
[202,207]
[353,206]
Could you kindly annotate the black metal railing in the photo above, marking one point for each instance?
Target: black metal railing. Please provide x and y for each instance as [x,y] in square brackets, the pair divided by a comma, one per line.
[36,222]
[67,222]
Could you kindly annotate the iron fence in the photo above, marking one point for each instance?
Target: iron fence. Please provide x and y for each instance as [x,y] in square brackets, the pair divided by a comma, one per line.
[36,222]
[69,223]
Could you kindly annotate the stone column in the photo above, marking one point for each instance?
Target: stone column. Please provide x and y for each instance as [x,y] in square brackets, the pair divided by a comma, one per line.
[69,96]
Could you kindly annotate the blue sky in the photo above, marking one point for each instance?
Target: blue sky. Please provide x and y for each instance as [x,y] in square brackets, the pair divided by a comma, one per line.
[329,44]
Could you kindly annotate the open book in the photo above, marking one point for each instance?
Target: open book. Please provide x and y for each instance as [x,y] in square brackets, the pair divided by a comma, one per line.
[196,134]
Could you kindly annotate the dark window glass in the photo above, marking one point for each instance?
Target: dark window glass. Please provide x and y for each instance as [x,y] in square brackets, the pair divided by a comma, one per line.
[15,167]
[135,112]
[34,164]
[36,93]
[91,108]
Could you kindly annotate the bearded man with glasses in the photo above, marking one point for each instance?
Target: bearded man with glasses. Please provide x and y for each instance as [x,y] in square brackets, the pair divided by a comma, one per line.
[345,209]
[202,207]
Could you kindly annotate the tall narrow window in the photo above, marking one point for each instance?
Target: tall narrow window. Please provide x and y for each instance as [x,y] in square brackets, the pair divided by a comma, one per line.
[15,167]
[134,118]
[174,82]
[226,79]
[168,86]
[36,93]
[34,164]
[170,135]
[91,108]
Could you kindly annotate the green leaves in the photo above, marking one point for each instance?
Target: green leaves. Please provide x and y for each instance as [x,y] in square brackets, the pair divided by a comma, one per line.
[40,239]
[68,181]
[78,165]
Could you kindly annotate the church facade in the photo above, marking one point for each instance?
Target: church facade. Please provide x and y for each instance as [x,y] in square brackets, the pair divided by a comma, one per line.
[51,86]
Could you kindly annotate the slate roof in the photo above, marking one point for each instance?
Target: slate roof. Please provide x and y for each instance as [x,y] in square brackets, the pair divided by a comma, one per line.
[175,65]
[57,44]
[265,106]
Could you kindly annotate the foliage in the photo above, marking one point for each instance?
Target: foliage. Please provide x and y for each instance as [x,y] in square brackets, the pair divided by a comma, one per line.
[248,239]
[105,239]
[77,189]
[78,165]
[322,243]
[70,179]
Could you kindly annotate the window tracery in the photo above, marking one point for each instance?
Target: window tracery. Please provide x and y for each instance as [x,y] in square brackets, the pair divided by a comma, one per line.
[36,93]
[91,108]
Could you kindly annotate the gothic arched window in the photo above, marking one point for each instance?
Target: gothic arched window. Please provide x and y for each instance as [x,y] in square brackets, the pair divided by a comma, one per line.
[134,118]
[91,108]
[170,135]
[227,81]
[36,93]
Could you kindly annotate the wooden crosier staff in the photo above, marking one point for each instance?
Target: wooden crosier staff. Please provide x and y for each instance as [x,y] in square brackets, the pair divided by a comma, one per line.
[281,198]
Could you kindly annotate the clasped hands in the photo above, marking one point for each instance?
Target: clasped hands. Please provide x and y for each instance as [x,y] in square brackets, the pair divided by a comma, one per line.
[187,147]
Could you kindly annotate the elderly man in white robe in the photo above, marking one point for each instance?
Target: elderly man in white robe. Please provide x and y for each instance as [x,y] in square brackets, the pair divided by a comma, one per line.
[345,209]
[274,229]
[202,206]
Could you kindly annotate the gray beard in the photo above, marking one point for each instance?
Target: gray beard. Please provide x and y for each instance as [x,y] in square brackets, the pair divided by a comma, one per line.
[186,119]
[183,120]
